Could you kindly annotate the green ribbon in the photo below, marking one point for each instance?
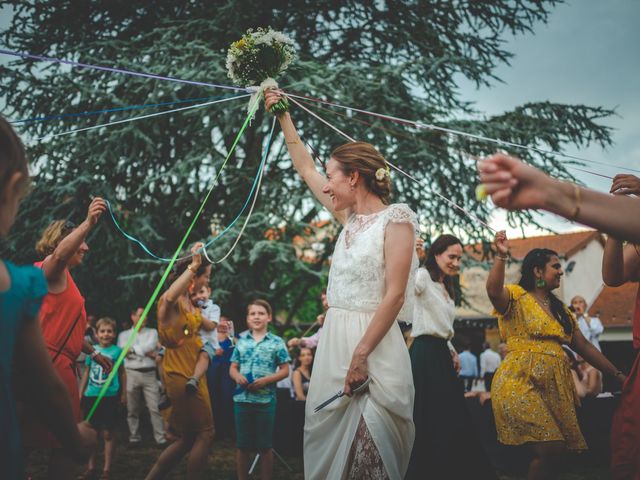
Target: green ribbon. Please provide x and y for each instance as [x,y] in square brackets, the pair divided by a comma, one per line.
[147,308]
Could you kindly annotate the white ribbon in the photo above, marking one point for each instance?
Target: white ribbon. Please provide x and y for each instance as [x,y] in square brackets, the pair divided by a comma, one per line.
[259,91]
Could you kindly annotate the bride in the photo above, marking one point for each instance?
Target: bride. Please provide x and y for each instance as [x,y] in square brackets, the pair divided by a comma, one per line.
[370,286]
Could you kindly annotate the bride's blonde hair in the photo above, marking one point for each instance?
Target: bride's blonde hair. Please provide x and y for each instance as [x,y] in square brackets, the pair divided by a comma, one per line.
[363,158]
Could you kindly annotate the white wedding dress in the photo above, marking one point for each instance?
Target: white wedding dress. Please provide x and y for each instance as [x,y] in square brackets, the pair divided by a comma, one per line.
[369,435]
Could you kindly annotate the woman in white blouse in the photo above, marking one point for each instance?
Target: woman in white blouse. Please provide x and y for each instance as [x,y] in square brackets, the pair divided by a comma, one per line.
[446,445]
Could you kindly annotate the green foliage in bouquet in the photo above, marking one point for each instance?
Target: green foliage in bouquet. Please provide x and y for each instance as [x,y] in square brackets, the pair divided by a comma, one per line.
[260,55]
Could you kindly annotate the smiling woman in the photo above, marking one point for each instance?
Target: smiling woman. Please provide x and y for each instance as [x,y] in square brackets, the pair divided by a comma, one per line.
[537,405]
[63,320]
[443,425]
[367,435]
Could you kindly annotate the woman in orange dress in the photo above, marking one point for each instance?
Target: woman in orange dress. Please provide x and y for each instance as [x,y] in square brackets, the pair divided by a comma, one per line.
[178,325]
[63,320]
[533,395]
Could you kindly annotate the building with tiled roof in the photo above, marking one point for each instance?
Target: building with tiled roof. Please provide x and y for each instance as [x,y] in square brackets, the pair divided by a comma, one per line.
[614,306]
[580,254]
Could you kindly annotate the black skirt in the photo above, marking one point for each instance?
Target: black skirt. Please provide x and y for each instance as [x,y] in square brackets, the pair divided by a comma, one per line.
[446,444]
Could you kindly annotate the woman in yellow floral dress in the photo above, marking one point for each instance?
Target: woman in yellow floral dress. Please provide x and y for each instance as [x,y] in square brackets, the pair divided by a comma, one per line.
[533,395]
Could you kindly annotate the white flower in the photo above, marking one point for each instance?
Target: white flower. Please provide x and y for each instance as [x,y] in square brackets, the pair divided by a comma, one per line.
[381,173]
[242,62]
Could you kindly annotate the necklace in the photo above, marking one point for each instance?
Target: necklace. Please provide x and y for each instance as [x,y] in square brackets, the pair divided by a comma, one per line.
[544,301]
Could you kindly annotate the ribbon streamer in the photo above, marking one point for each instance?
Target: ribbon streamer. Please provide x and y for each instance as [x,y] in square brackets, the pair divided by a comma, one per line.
[133,119]
[398,133]
[456,132]
[111,110]
[253,204]
[409,176]
[167,270]
[214,239]
[118,70]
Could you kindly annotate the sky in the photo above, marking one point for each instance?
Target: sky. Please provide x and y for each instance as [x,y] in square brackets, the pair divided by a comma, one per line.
[585,54]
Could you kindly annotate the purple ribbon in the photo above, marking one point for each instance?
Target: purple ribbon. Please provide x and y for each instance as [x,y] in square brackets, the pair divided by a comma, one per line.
[118,70]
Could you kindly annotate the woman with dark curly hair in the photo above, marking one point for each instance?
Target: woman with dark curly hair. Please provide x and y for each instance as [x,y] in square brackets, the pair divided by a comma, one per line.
[533,396]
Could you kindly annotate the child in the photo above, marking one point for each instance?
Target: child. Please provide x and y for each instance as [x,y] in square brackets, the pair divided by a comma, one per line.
[220,384]
[259,360]
[302,374]
[94,377]
[24,361]
[210,317]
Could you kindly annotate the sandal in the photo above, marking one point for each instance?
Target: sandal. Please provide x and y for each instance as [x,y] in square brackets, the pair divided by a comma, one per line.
[89,474]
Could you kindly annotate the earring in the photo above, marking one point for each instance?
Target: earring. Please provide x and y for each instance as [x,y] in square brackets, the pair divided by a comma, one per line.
[540,283]
[352,186]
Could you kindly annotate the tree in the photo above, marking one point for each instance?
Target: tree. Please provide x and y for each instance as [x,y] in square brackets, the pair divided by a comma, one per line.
[396,57]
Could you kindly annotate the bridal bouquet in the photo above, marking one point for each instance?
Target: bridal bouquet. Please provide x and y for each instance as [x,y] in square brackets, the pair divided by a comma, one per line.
[257,58]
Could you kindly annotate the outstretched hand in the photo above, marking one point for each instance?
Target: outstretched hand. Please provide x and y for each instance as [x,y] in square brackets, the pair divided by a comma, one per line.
[512,184]
[105,362]
[500,242]
[625,184]
[196,256]
[96,208]
[271,97]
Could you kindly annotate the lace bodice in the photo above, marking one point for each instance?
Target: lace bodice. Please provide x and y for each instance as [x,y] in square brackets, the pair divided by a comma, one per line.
[357,274]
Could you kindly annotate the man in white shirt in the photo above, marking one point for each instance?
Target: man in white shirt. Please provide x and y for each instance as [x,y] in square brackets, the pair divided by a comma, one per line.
[591,327]
[489,363]
[140,367]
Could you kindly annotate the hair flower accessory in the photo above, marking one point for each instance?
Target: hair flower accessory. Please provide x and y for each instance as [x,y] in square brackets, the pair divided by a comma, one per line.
[381,173]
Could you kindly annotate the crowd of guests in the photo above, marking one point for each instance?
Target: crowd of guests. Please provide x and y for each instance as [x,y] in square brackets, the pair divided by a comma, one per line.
[552,353]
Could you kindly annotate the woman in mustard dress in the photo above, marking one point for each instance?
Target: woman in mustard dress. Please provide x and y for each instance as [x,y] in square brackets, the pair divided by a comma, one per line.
[178,325]
[533,396]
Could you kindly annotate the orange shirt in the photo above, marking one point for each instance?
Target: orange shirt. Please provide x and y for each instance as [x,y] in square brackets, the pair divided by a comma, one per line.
[63,314]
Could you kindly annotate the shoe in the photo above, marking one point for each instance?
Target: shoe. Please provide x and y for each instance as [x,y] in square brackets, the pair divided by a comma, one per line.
[192,386]
[89,474]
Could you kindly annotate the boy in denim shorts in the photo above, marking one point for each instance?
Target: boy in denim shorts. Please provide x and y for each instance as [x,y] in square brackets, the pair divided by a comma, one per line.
[259,361]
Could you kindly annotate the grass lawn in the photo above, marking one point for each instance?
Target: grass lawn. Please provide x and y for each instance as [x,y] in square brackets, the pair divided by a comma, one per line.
[133,463]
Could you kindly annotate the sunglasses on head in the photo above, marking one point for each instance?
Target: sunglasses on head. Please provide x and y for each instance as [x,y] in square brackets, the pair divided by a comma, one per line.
[68,226]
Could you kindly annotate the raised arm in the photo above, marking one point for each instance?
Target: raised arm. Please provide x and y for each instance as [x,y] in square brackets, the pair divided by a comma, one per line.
[56,263]
[179,286]
[302,160]
[516,186]
[620,263]
[398,253]
[498,294]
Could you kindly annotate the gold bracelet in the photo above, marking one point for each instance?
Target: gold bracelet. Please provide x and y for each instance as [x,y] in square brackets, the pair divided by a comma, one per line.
[295,142]
[504,258]
[578,198]
[192,269]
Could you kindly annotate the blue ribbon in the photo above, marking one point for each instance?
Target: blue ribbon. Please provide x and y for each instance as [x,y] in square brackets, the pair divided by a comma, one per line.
[120,109]
[227,228]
